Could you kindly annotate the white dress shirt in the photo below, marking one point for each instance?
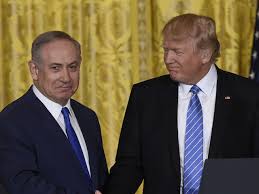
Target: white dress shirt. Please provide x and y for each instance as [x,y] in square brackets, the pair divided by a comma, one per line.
[55,110]
[207,96]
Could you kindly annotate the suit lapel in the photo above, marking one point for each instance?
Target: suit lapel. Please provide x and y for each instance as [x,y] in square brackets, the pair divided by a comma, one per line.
[86,125]
[172,93]
[50,125]
[54,131]
[222,110]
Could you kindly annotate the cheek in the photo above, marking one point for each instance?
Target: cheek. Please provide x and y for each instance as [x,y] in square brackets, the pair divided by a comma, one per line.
[51,85]
[75,79]
[165,57]
[181,61]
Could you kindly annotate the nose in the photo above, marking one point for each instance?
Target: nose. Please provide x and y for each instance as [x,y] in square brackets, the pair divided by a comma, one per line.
[168,57]
[66,75]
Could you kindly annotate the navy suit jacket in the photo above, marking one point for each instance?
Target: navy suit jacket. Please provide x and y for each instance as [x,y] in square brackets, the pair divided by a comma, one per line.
[148,147]
[36,156]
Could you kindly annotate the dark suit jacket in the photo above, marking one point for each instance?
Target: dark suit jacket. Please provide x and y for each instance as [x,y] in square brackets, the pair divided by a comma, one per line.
[148,147]
[36,156]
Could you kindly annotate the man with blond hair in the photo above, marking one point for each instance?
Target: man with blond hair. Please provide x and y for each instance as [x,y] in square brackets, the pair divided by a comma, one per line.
[176,121]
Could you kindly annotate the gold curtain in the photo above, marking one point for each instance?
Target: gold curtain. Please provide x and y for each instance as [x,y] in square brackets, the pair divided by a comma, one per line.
[121,45]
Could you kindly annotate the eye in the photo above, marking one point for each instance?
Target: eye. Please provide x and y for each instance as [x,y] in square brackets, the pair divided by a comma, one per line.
[73,67]
[166,49]
[178,53]
[55,67]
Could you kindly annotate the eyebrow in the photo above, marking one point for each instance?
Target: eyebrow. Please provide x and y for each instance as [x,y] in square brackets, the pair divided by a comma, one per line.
[74,62]
[173,49]
[60,64]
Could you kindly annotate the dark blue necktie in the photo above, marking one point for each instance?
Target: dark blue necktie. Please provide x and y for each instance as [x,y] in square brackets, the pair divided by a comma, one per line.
[193,151]
[74,142]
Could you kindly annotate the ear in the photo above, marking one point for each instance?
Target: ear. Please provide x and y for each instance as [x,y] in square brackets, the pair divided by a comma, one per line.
[206,55]
[34,70]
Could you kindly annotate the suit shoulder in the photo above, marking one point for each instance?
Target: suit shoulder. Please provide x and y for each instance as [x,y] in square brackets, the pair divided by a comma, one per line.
[156,82]
[82,108]
[238,80]
[15,107]
[155,88]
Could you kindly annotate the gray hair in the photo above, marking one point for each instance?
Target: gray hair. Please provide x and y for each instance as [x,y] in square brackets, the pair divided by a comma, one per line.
[48,37]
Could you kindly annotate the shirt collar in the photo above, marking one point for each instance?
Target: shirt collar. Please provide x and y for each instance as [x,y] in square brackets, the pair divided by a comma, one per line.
[206,84]
[53,107]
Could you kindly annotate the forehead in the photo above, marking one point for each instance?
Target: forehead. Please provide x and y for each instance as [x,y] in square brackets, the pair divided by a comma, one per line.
[59,45]
[59,50]
[171,43]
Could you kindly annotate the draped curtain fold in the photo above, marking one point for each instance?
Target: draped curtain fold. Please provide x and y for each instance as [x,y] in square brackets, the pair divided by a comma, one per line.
[121,45]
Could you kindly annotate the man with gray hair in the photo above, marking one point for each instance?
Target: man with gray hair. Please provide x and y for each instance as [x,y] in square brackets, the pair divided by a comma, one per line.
[176,121]
[50,143]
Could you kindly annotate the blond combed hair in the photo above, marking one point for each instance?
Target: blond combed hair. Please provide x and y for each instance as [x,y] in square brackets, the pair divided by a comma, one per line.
[201,29]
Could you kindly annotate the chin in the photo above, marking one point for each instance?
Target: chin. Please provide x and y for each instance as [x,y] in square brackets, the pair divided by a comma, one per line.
[178,79]
[63,101]
[64,96]
[174,77]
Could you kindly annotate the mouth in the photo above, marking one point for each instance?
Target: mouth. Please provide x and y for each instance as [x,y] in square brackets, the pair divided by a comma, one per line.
[65,88]
[173,68]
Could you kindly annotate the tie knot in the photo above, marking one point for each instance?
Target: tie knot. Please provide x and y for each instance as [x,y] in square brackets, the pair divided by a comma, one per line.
[65,111]
[195,89]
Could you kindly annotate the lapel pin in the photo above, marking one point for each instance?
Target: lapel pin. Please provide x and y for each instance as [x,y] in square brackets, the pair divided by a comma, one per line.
[227,97]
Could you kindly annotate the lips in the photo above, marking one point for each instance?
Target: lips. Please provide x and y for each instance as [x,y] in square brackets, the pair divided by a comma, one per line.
[65,88]
[173,68]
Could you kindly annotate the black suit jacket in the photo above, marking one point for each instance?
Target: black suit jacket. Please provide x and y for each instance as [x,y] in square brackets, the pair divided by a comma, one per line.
[36,156]
[148,146]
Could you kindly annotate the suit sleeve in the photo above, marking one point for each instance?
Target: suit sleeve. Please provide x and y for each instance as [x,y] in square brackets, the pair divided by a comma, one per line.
[127,172]
[256,128]
[18,163]
[102,167]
